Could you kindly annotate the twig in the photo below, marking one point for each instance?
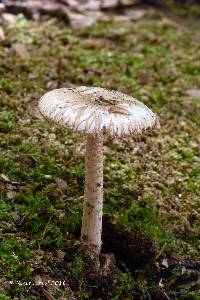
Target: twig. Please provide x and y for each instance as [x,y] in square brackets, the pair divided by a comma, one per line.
[93,70]
[161,251]
[45,229]
[47,294]
[166,296]
[6,180]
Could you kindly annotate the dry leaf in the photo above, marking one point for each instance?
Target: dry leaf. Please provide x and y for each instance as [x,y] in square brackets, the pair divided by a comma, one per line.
[21,51]
[177,256]
[165,263]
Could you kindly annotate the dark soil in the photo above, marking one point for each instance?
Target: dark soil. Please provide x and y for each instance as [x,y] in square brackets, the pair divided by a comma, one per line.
[133,248]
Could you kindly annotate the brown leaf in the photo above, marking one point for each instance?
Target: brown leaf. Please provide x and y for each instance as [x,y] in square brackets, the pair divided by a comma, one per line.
[93,70]
[177,256]
[144,78]
[21,51]
[47,294]
[60,255]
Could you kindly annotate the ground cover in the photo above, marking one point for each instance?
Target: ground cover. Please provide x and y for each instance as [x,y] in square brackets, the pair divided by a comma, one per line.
[151,183]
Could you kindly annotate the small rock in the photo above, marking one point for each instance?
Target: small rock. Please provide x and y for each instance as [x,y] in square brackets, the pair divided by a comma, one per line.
[11,194]
[193,93]
[109,4]
[135,14]
[2,7]
[47,176]
[91,5]
[52,84]
[121,18]
[61,184]
[79,20]
[38,280]
[128,2]
[8,18]
[15,214]
[2,35]
[52,136]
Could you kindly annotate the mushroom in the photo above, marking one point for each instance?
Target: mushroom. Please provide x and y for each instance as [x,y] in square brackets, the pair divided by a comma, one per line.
[95,111]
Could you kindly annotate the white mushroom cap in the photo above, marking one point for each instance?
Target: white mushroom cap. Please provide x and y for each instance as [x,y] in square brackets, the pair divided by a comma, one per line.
[94,109]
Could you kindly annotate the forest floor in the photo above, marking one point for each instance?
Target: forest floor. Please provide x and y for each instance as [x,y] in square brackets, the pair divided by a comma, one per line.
[151,183]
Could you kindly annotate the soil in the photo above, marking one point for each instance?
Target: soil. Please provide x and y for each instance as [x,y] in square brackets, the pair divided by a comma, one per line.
[133,248]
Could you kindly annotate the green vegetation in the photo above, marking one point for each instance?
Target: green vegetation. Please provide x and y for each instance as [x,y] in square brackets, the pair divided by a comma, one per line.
[151,183]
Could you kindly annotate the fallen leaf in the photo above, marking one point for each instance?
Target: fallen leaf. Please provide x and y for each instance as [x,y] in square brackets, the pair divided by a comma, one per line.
[4,178]
[177,256]
[8,226]
[21,51]
[11,185]
[60,255]
[165,263]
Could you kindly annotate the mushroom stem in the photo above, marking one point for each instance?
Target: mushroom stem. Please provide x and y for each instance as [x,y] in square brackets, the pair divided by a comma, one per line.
[93,194]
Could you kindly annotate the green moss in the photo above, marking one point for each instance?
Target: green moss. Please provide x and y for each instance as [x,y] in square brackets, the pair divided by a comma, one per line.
[76,269]
[4,297]
[15,256]
[125,283]
[6,121]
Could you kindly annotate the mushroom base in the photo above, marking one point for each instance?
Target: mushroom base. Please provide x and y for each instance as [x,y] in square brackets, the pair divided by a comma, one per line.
[93,194]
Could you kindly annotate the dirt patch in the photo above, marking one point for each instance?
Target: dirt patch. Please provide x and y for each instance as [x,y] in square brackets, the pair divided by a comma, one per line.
[97,279]
[133,248]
